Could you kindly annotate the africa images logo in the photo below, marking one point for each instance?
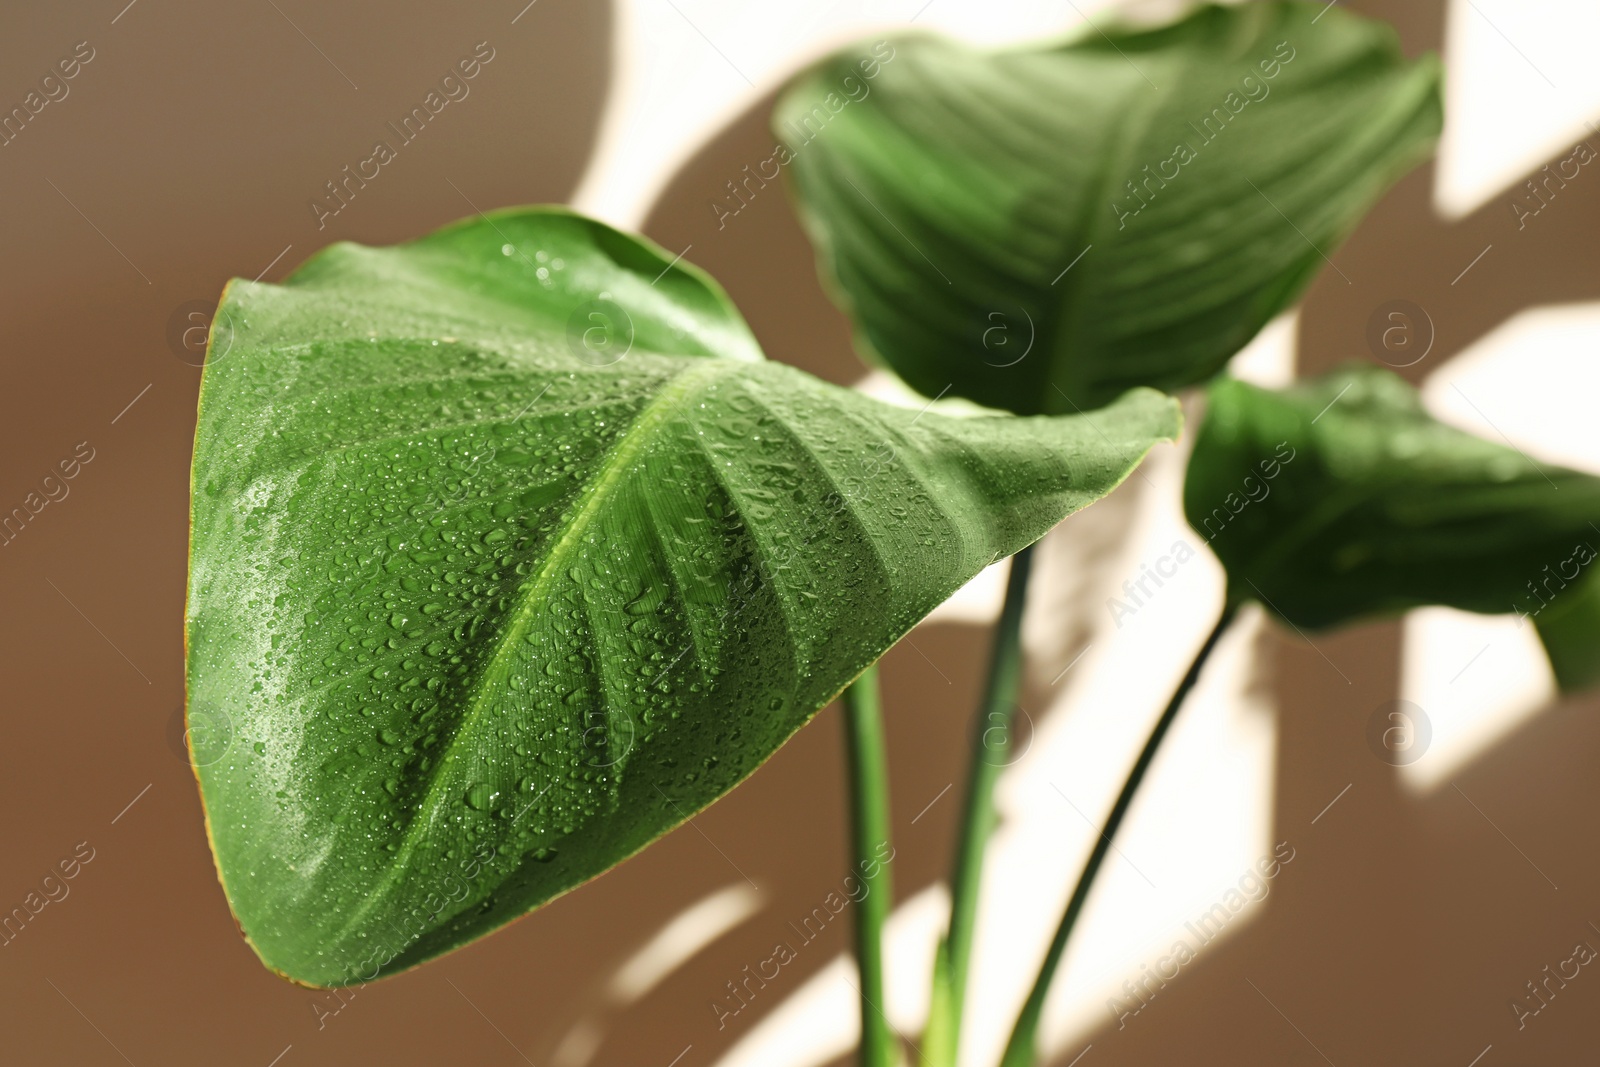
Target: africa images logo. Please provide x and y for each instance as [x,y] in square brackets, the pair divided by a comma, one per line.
[1399,732]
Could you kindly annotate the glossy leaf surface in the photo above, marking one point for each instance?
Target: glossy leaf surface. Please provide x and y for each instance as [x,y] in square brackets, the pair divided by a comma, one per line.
[1039,229]
[510,552]
[1341,498]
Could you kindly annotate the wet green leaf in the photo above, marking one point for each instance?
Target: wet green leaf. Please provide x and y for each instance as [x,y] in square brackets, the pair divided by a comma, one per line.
[510,552]
[1038,229]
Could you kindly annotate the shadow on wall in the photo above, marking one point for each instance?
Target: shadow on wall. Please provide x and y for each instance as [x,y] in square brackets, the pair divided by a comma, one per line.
[190,149]
[1408,924]
[1398,937]
[743,229]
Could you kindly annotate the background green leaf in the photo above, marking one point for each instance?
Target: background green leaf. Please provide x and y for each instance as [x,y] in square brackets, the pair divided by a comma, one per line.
[510,553]
[950,191]
[1341,498]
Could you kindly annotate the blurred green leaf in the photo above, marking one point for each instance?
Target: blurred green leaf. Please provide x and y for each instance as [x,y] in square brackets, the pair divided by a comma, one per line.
[1039,229]
[1341,498]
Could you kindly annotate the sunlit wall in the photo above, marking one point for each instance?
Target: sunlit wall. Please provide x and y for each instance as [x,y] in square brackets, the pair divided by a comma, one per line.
[1521,84]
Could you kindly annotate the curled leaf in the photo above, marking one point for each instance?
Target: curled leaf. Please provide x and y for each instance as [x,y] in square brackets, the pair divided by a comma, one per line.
[510,552]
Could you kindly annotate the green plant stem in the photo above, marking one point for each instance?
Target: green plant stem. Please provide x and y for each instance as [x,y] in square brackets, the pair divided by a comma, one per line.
[868,765]
[991,742]
[1020,1049]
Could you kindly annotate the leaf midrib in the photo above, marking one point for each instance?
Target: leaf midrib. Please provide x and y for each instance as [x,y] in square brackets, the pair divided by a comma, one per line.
[617,462]
[1068,314]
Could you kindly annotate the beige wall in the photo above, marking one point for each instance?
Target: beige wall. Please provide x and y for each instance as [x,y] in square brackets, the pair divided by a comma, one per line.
[186,152]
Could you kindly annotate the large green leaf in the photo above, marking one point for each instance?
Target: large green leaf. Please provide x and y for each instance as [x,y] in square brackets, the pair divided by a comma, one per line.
[1039,229]
[1341,498]
[510,553]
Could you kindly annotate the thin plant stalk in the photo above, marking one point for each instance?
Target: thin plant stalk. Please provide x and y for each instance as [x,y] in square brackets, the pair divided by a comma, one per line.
[991,743]
[1020,1049]
[868,771]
